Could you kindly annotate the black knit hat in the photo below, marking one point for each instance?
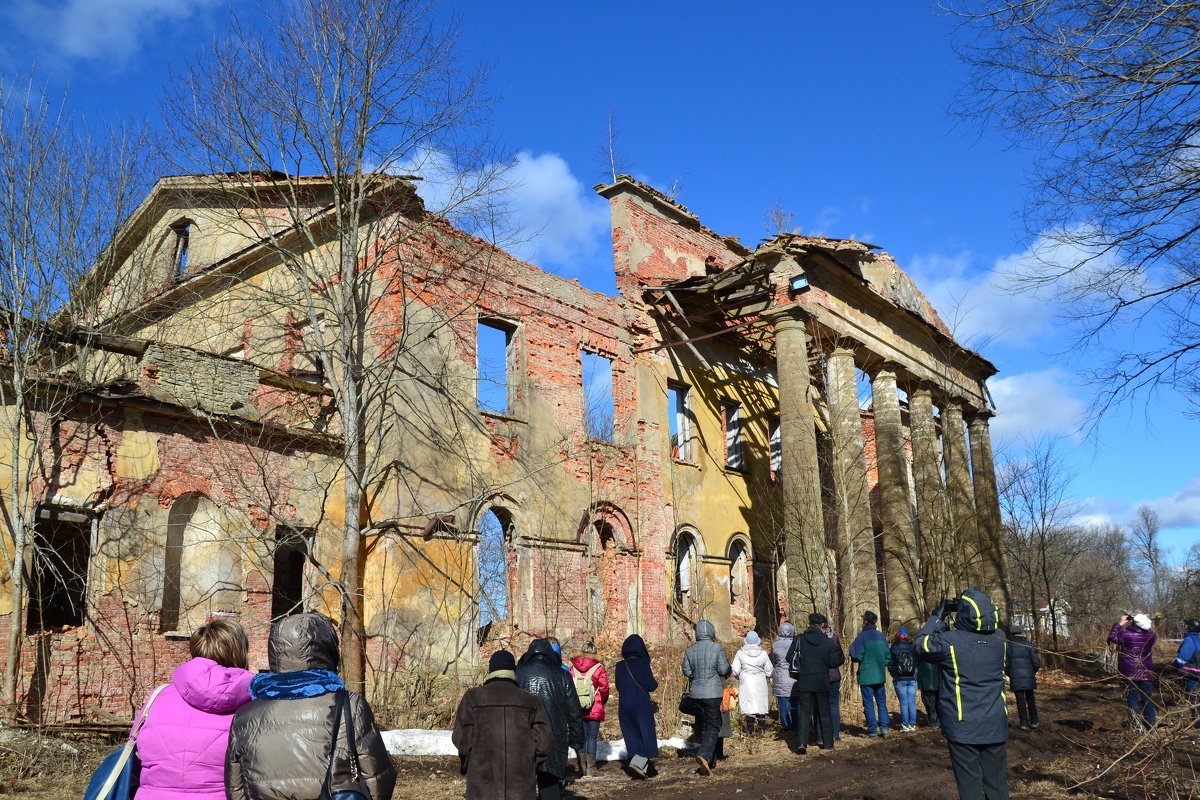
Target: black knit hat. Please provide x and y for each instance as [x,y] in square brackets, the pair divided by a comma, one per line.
[816,619]
[501,659]
[871,617]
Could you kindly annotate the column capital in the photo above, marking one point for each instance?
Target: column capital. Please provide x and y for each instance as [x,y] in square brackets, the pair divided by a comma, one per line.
[788,315]
[845,344]
[979,415]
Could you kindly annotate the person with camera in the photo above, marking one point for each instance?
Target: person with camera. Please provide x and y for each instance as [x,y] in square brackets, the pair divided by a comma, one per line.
[1135,641]
[971,705]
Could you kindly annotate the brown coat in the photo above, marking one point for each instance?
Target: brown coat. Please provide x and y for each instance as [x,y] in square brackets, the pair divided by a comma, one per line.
[279,748]
[502,733]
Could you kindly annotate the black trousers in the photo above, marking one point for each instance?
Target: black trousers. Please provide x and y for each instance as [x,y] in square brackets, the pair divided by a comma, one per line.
[980,770]
[929,698]
[1026,707]
[820,702]
[710,728]
[549,786]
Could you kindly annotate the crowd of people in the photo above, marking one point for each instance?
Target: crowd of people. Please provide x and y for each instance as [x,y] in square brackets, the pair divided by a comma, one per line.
[220,731]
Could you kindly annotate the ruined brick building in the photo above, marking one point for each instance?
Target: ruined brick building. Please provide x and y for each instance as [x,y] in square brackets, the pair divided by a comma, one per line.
[738,434]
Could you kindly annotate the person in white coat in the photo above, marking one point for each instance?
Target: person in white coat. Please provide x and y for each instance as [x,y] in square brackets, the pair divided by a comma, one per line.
[751,666]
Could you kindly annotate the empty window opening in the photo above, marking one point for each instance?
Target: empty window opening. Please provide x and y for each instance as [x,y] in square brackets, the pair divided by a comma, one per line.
[495,529]
[737,574]
[287,585]
[680,421]
[775,442]
[58,574]
[183,234]
[686,564]
[307,364]
[731,420]
[598,405]
[178,518]
[493,366]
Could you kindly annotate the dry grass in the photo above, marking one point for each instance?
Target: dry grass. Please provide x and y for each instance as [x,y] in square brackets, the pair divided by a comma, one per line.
[47,768]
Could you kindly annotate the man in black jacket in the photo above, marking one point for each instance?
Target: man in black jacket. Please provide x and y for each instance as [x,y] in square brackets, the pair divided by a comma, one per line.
[1022,663]
[540,673]
[971,704]
[810,658]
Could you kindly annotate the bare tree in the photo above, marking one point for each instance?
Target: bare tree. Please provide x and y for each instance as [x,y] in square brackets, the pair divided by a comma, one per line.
[778,220]
[1043,541]
[1106,93]
[65,187]
[358,94]
[611,160]
[1143,534]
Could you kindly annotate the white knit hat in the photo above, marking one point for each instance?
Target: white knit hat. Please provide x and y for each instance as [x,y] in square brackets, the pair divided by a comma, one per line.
[1142,621]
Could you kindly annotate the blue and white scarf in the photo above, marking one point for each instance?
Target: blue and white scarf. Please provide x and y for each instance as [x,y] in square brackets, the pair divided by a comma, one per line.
[294,685]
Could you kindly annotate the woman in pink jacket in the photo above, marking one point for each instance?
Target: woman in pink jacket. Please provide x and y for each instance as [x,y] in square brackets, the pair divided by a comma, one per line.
[183,741]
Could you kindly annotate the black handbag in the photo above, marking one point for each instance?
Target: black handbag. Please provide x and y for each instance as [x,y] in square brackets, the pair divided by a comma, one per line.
[356,790]
[689,705]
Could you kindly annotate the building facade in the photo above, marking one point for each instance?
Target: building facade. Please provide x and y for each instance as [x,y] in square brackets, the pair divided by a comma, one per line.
[739,434]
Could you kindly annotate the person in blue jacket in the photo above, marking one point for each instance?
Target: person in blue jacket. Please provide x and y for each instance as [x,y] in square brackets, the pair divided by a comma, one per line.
[1187,661]
[971,704]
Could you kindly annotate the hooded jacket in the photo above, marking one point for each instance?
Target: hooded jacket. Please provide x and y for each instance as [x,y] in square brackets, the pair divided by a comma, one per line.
[183,741]
[1135,651]
[819,654]
[751,666]
[970,659]
[540,672]
[706,664]
[1188,657]
[279,748]
[502,733]
[635,681]
[1022,661]
[599,685]
[781,680]
[870,650]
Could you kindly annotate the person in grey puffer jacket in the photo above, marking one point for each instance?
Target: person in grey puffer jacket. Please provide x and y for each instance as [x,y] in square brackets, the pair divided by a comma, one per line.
[540,672]
[279,743]
[971,704]
[706,664]
[781,679]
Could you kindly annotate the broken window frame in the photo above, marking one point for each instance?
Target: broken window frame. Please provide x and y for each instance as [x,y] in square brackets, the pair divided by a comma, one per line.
[290,542]
[307,352]
[733,429]
[599,407]
[52,575]
[679,421]
[182,231]
[687,559]
[505,387]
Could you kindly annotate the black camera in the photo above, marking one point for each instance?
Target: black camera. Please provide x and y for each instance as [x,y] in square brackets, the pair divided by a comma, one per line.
[950,605]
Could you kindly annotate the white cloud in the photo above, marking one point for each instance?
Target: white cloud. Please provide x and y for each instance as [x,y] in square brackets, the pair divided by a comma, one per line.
[89,30]
[1034,404]
[1180,510]
[545,214]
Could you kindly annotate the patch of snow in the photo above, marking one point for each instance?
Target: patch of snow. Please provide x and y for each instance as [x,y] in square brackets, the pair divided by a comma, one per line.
[415,742]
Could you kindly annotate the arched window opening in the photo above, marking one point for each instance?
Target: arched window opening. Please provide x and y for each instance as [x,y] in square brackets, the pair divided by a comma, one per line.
[181,513]
[602,575]
[687,557]
[738,564]
[495,533]
[287,584]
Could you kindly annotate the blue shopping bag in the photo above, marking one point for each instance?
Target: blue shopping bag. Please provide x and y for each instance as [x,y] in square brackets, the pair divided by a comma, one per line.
[117,776]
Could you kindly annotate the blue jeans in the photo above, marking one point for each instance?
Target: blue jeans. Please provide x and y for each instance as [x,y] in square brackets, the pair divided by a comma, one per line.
[1141,702]
[835,712]
[872,696]
[906,693]
[1192,688]
[591,732]
[787,719]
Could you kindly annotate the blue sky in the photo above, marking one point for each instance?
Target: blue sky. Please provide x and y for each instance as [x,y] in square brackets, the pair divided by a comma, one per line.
[836,111]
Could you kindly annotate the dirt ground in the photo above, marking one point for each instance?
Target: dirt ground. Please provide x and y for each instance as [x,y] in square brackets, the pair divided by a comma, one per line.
[1083,730]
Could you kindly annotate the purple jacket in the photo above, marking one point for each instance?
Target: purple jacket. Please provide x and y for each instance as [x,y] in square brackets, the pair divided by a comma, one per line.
[1135,648]
[182,743]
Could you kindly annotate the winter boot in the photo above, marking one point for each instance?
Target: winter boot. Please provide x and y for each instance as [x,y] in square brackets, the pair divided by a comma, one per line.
[591,763]
[582,764]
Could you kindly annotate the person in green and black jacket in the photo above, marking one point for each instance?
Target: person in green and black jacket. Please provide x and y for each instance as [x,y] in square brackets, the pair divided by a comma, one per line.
[870,652]
[970,658]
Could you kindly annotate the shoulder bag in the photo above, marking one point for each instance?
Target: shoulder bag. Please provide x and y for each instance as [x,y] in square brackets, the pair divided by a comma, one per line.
[356,789]
[117,776]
